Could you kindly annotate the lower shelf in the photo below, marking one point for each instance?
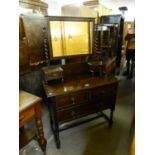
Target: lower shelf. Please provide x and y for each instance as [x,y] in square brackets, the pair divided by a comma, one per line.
[68,125]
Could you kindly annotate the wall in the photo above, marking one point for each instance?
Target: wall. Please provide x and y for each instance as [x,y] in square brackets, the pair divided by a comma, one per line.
[86,12]
[70,10]
[78,11]
[54,8]
[104,10]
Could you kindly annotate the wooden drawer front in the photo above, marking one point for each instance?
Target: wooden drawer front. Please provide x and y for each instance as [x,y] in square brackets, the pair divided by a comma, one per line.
[104,96]
[72,99]
[77,112]
[26,116]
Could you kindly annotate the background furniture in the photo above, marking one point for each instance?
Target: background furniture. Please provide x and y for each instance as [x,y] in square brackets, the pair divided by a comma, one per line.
[29,108]
[34,5]
[106,40]
[105,46]
[30,39]
[80,94]
[119,21]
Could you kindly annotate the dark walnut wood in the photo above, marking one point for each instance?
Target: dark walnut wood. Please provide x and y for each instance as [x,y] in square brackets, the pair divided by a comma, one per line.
[52,73]
[31,55]
[29,108]
[78,96]
[32,49]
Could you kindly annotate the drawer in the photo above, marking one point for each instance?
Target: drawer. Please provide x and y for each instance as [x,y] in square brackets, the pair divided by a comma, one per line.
[71,114]
[26,116]
[103,92]
[72,99]
[104,96]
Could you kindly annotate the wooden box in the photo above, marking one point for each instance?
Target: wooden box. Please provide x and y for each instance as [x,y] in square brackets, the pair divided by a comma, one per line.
[52,73]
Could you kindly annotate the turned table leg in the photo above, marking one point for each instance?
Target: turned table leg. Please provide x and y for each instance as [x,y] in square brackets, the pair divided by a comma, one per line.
[54,124]
[111,117]
[41,139]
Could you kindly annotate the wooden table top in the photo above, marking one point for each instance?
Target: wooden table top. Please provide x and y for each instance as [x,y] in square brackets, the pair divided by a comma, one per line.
[76,85]
[26,100]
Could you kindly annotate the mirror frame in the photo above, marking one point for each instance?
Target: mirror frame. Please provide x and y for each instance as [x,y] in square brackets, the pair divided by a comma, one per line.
[70,19]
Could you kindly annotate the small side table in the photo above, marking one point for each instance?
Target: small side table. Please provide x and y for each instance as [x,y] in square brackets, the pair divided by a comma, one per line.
[29,108]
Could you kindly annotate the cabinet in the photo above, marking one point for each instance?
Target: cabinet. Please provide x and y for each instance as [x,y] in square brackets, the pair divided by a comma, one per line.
[34,5]
[32,50]
[105,49]
[119,21]
[79,95]
[30,36]
[106,40]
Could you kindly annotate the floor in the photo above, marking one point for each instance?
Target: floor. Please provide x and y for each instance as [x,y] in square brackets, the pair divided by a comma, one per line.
[95,137]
